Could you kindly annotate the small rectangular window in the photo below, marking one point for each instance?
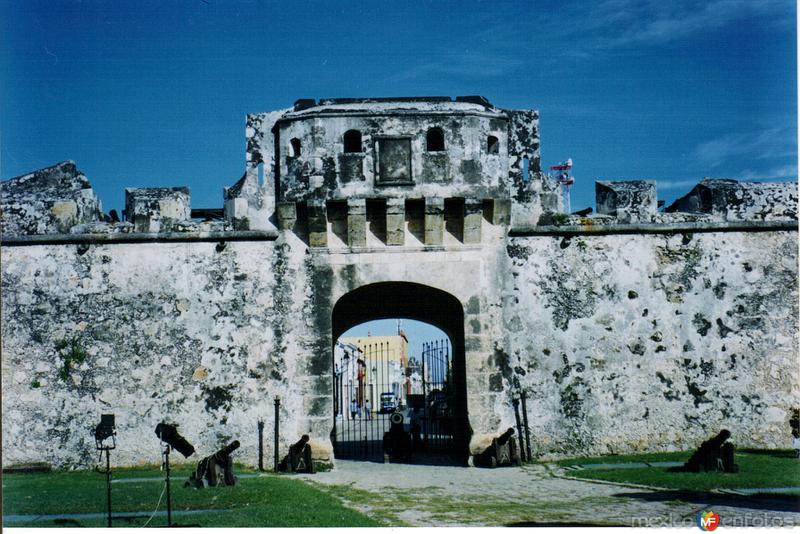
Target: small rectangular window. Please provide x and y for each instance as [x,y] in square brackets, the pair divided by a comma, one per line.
[394,160]
[525,169]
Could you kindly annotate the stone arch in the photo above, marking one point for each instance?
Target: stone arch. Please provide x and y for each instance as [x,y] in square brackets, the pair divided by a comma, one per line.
[386,300]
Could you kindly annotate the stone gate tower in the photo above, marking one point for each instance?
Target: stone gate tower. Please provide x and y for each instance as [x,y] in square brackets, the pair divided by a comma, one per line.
[632,329]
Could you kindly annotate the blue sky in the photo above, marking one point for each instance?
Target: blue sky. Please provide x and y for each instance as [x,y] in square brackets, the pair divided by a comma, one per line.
[417,333]
[144,94]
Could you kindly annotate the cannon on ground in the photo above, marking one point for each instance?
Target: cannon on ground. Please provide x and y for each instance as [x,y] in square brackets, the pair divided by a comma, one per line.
[713,455]
[215,470]
[299,458]
[503,451]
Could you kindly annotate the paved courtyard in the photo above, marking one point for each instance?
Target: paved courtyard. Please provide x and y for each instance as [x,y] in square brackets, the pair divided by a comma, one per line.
[419,495]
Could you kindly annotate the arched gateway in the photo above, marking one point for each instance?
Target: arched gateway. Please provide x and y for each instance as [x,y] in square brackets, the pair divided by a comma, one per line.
[629,329]
[445,435]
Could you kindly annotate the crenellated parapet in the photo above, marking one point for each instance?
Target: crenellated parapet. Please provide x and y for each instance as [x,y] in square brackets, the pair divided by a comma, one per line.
[743,201]
[157,209]
[462,152]
[367,172]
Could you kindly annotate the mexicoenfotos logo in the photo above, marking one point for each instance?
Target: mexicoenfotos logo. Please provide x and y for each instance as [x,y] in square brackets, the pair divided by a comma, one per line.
[707,521]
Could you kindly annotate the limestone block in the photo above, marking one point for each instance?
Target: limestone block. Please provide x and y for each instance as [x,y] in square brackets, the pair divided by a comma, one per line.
[501,211]
[156,209]
[473,215]
[321,450]
[287,215]
[65,213]
[434,220]
[395,221]
[634,200]
[356,222]
[235,210]
[317,224]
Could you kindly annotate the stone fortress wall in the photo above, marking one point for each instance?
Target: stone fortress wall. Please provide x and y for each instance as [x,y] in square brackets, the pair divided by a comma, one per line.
[632,329]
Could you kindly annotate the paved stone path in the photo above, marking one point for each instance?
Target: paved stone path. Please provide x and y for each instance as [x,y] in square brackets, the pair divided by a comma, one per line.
[626,465]
[420,495]
[115,516]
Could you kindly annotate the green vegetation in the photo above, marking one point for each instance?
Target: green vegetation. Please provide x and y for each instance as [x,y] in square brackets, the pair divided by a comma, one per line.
[265,501]
[757,469]
[71,354]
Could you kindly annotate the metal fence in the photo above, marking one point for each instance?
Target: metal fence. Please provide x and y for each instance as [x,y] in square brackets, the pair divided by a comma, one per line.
[374,381]
[436,418]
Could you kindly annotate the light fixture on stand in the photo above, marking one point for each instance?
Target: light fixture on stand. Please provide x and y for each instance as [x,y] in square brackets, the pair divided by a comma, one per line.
[170,438]
[103,432]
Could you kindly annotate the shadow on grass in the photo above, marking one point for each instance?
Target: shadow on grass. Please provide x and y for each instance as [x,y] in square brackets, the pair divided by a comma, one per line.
[786,503]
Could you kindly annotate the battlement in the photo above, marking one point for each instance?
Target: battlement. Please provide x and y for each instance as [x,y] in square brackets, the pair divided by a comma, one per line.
[733,200]
[390,171]
[51,200]
[431,209]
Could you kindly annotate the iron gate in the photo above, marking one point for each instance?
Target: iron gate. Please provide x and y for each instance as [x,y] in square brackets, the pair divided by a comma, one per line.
[374,380]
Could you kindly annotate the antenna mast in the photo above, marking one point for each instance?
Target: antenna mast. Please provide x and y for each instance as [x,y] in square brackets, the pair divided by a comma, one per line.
[565,180]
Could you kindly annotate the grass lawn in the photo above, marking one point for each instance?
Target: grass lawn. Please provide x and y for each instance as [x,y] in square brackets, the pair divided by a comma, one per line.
[268,501]
[757,469]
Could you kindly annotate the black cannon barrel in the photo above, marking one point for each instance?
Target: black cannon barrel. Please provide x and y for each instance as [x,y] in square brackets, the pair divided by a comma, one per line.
[169,434]
[504,437]
[300,443]
[232,446]
[717,440]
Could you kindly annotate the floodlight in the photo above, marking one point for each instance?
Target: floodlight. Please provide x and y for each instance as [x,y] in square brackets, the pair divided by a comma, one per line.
[104,430]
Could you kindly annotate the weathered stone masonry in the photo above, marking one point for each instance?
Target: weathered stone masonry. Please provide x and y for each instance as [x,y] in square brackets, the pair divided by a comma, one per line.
[631,330]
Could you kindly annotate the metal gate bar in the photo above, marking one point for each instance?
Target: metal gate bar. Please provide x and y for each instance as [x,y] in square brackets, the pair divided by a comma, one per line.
[372,382]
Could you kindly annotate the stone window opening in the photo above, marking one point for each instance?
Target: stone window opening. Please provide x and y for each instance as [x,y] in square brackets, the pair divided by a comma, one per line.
[295,147]
[434,141]
[260,173]
[492,145]
[525,169]
[352,141]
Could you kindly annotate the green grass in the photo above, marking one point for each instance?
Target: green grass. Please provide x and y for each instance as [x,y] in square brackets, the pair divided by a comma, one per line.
[757,469]
[269,501]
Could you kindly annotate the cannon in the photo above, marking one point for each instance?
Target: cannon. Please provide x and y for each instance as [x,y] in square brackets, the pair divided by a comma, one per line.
[215,470]
[713,455]
[169,435]
[396,442]
[503,451]
[299,458]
